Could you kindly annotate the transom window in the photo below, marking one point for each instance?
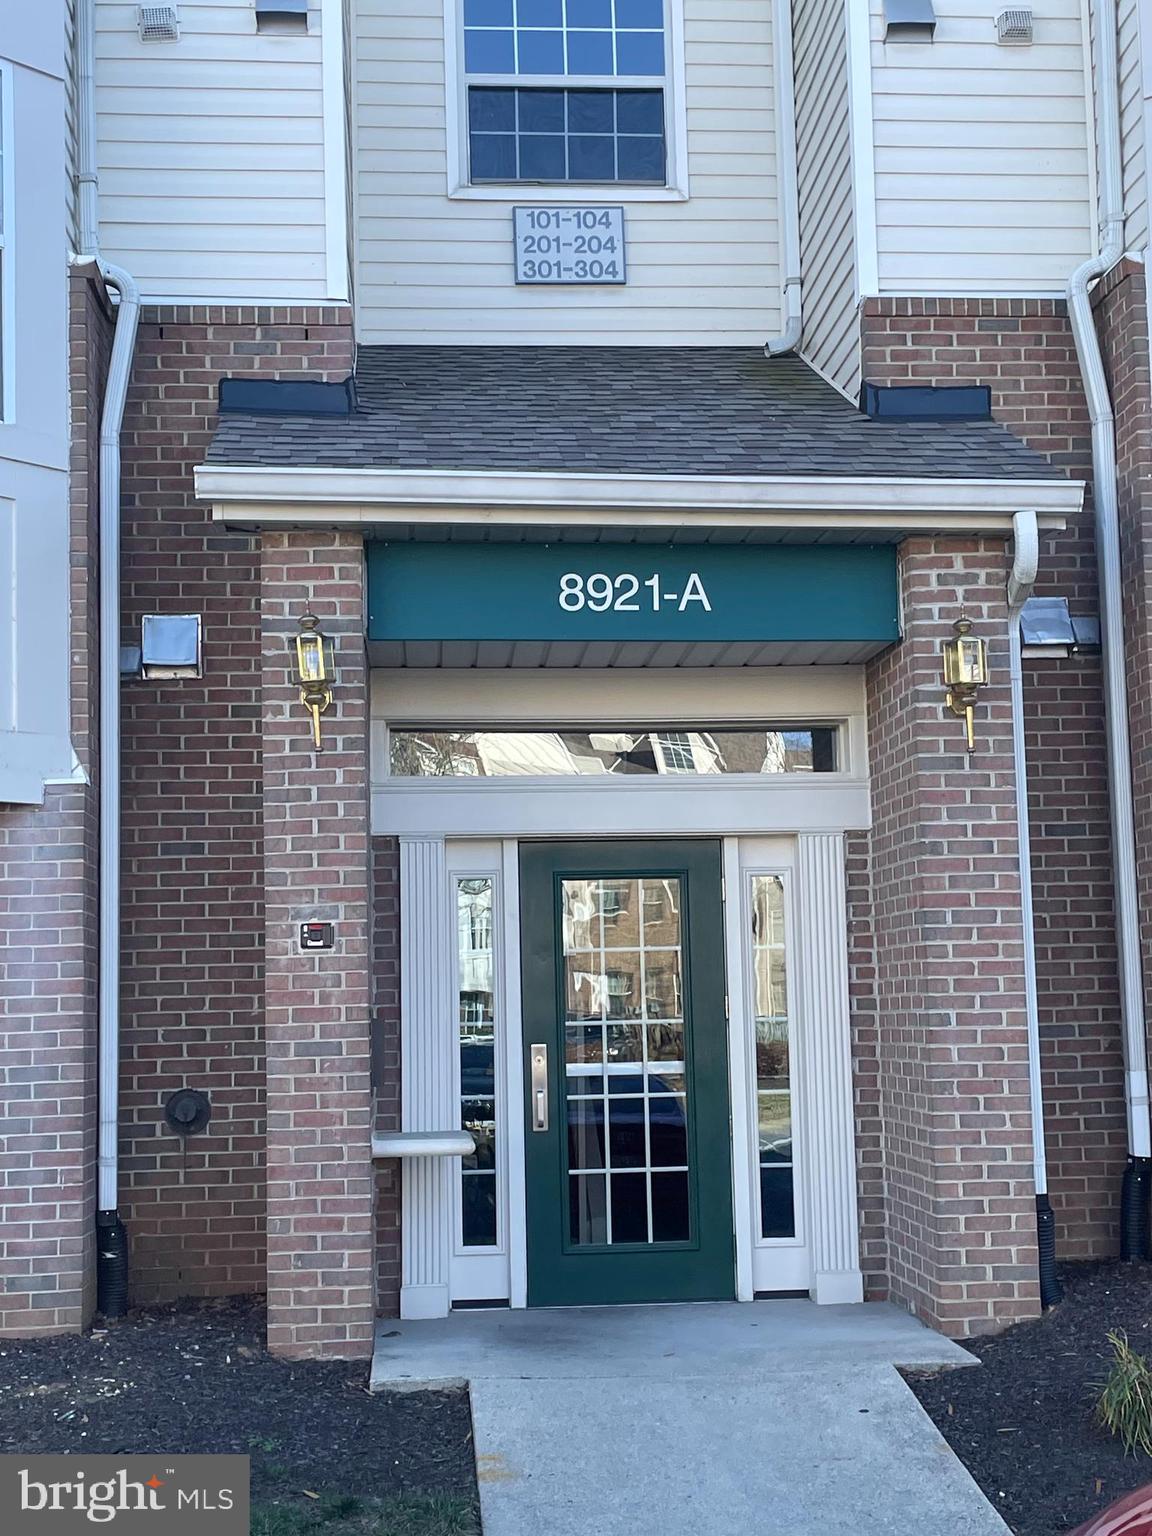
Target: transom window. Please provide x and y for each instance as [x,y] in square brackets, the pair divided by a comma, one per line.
[566,91]
[448,752]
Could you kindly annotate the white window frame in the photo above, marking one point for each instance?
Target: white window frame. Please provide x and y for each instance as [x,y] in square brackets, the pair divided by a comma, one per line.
[676,187]
[703,762]
[776,870]
[7,243]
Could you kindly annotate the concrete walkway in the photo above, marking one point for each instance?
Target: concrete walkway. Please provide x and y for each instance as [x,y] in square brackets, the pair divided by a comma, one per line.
[775,1418]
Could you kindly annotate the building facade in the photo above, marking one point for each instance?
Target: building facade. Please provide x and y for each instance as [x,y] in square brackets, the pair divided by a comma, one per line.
[488,494]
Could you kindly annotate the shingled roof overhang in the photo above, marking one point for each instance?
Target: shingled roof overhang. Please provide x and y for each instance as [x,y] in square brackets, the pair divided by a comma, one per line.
[561,441]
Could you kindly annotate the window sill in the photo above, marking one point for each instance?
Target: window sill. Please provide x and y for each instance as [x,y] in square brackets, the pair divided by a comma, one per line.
[527,192]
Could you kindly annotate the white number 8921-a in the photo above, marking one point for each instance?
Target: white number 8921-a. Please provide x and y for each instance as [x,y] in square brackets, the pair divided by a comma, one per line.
[623,593]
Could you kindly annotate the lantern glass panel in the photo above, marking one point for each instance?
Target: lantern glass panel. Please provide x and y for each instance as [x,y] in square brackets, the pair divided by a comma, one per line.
[971,660]
[310,649]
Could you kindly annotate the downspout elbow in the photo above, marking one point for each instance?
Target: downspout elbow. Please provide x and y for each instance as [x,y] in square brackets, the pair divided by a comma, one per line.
[789,339]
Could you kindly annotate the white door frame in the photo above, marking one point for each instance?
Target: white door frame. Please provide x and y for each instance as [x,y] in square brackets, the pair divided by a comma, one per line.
[828,1267]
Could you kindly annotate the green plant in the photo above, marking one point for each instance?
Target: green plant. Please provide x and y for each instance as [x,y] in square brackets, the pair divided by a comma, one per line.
[405,1514]
[1124,1406]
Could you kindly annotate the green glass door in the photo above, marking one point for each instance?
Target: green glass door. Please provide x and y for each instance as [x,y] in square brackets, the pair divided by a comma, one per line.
[628,1153]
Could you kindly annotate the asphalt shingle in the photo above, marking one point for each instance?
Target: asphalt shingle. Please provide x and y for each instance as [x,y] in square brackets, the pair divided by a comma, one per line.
[616,410]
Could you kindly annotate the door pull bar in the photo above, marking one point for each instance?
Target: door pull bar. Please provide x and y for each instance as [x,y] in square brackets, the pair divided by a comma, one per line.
[539,1087]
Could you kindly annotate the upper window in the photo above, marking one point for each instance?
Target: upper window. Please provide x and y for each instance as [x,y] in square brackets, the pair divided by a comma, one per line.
[562,91]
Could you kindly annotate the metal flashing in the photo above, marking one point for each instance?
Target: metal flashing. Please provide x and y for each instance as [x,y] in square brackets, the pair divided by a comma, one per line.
[926,402]
[286,397]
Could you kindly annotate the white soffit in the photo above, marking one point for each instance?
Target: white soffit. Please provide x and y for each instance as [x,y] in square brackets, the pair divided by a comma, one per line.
[567,654]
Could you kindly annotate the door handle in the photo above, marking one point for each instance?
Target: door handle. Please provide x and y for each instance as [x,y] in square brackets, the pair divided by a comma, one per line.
[539,1057]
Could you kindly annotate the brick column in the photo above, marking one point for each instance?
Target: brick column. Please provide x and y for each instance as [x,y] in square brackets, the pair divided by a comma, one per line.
[1023,350]
[949,978]
[1121,304]
[316,865]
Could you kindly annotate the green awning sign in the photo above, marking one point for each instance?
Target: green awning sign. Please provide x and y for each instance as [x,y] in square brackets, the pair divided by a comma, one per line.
[623,592]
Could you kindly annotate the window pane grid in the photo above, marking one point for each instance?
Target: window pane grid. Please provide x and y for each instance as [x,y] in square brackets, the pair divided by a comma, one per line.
[627,1123]
[565,135]
[564,37]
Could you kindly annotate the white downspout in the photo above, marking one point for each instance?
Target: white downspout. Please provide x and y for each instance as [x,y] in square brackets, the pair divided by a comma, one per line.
[789,198]
[111,1240]
[1025,563]
[1112,623]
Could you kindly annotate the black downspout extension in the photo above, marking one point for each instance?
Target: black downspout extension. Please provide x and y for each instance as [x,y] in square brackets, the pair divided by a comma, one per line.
[1051,1290]
[111,1264]
[1134,1209]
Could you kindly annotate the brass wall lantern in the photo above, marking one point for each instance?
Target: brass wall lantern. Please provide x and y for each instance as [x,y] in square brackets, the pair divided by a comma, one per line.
[315,670]
[965,673]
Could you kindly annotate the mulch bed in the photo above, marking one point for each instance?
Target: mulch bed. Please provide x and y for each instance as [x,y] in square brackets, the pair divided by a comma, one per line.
[197,1378]
[1023,1422]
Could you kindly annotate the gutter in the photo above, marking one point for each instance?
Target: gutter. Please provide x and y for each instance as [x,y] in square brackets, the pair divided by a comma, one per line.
[788,191]
[111,1237]
[307,494]
[1025,563]
[1134,1236]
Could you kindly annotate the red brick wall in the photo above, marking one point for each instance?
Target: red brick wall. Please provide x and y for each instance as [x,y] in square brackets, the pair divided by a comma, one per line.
[870,1163]
[1023,350]
[1122,321]
[48,939]
[952,1059]
[192,851]
[321,1184]
[386,1062]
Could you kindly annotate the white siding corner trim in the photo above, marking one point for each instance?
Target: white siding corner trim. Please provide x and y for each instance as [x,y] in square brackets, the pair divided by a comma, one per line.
[333,46]
[860,106]
[830,1140]
[427,1046]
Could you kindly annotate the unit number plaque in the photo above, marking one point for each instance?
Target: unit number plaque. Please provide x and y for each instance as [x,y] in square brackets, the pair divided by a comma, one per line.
[569,245]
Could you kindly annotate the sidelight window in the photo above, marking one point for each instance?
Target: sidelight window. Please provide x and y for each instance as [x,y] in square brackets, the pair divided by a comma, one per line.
[771,1021]
[476,985]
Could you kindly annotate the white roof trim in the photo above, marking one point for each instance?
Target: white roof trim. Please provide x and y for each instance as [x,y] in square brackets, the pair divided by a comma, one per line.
[259,495]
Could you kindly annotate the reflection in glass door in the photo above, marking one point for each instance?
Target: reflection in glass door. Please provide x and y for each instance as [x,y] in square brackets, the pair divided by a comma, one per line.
[624,1075]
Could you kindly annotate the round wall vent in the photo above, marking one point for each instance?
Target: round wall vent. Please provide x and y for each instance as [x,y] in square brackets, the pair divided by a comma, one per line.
[188,1111]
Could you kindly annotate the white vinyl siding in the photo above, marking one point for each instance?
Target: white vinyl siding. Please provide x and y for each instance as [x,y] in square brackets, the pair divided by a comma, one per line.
[34,547]
[1132,109]
[212,155]
[824,180]
[437,269]
[71,124]
[982,154]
